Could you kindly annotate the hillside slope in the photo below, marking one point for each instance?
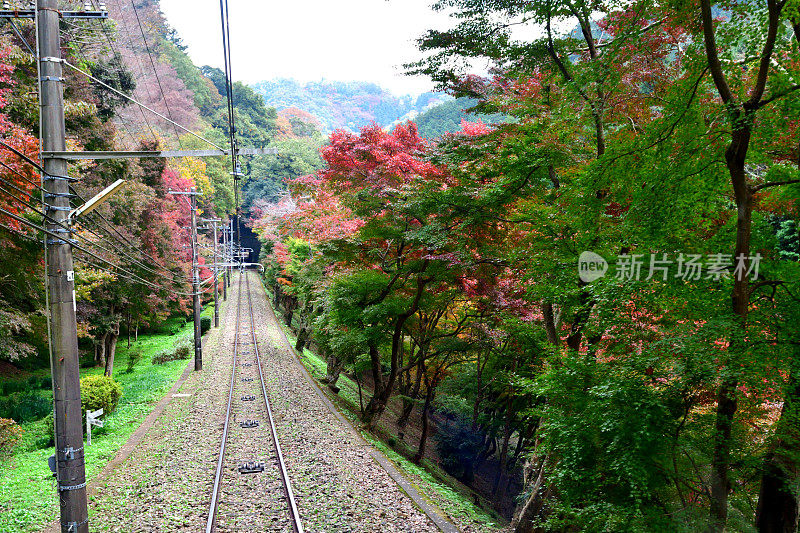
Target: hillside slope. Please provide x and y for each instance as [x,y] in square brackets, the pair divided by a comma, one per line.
[348,105]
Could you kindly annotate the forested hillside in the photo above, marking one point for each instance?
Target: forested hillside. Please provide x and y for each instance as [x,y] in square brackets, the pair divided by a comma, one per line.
[149,226]
[347,105]
[448,117]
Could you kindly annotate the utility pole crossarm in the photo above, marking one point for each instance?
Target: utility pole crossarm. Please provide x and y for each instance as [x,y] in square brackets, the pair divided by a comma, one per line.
[166,154]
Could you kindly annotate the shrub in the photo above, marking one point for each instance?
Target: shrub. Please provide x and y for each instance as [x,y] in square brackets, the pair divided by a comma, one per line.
[100,392]
[134,356]
[171,326]
[10,387]
[10,433]
[205,324]
[184,350]
[25,406]
[459,449]
[50,429]
[162,357]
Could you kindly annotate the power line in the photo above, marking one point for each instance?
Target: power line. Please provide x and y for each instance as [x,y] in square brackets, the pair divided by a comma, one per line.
[85,250]
[187,130]
[155,71]
[11,230]
[110,225]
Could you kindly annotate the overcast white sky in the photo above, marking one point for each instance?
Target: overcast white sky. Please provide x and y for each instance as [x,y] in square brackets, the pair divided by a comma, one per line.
[363,40]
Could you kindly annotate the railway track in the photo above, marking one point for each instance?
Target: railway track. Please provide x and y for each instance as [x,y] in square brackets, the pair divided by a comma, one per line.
[252,490]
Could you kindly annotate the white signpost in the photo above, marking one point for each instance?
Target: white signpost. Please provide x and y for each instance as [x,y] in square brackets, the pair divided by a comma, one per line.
[92,419]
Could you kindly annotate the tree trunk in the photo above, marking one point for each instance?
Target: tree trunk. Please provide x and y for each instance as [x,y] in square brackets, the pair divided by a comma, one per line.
[423,440]
[498,482]
[413,394]
[535,507]
[333,371]
[100,351]
[357,375]
[777,510]
[302,338]
[740,297]
[111,350]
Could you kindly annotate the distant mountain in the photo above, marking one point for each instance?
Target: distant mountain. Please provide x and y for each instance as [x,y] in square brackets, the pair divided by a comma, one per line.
[347,105]
[447,117]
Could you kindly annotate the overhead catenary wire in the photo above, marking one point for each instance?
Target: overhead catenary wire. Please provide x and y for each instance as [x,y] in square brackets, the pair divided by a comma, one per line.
[226,46]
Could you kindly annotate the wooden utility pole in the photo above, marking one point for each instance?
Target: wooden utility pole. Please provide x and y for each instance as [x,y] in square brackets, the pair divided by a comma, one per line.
[68,418]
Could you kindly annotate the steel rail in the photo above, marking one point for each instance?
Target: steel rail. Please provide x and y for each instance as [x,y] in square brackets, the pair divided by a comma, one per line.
[212,510]
[297,524]
[211,524]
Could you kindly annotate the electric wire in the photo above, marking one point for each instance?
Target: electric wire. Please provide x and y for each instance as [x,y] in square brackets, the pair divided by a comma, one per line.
[83,249]
[88,75]
[155,71]
[118,58]
[69,230]
[83,225]
[225,22]
[11,230]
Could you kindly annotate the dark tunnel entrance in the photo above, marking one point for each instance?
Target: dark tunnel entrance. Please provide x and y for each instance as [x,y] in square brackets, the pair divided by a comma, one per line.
[249,240]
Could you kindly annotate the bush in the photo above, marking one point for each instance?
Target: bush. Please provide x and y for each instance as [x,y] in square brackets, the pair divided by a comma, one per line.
[25,406]
[10,387]
[10,433]
[205,324]
[183,350]
[459,448]
[162,357]
[134,356]
[100,392]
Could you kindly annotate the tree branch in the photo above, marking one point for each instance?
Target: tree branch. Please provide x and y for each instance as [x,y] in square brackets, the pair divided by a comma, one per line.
[711,53]
[766,53]
[774,184]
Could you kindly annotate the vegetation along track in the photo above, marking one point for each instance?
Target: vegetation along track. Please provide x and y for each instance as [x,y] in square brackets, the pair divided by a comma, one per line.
[252,490]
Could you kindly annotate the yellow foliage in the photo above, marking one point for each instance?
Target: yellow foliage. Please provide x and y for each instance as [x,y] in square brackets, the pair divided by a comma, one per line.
[195,170]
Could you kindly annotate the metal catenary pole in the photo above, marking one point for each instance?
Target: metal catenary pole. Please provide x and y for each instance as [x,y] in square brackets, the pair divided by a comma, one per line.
[214,221]
[198,347]
[216,280]
[224,261]
[70,467]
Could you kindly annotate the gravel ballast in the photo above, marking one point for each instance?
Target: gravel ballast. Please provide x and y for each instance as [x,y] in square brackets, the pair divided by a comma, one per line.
[166,482]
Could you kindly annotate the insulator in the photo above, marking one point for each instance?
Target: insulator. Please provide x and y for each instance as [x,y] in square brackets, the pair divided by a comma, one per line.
[102,5]
[6,6]
[87,5]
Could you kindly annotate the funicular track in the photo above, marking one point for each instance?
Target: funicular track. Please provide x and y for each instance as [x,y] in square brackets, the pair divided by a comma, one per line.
[252,490]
